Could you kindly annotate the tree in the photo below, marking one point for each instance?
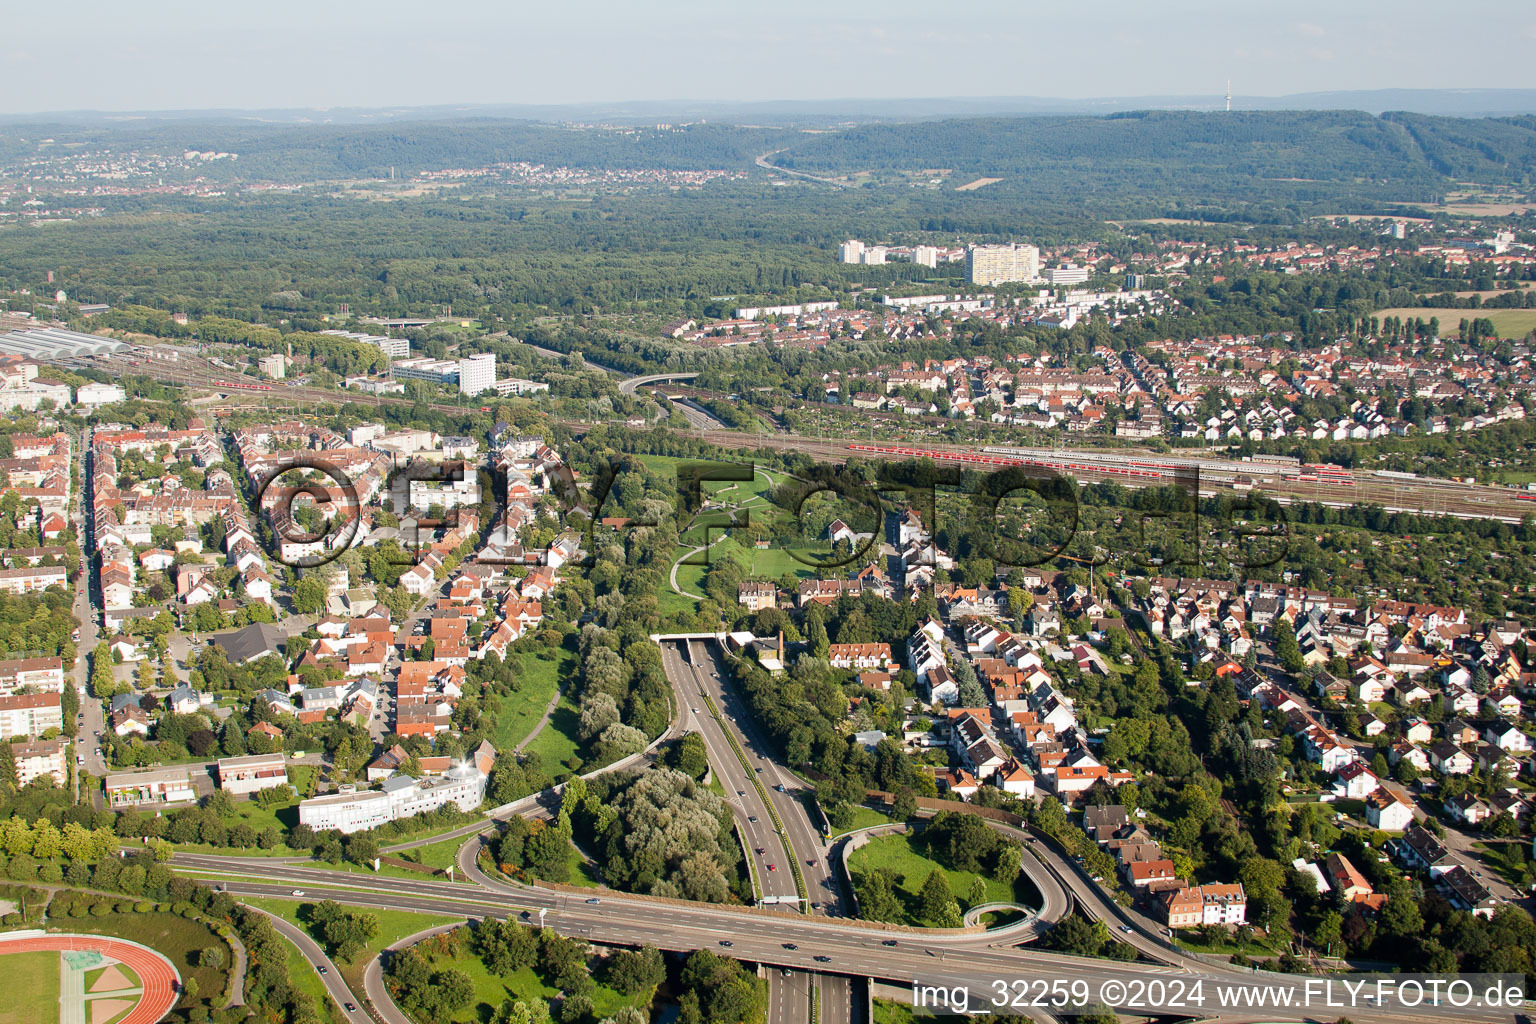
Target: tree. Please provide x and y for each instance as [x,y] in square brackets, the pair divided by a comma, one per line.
[344,932]
[635,971]
[937,901]
[308,596]
[977,893]
[689,756]
[455,988]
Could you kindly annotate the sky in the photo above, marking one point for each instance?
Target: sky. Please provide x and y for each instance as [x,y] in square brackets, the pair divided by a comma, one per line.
[192,54]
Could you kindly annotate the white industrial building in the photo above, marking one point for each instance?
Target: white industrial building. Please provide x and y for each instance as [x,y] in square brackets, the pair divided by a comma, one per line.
[50,343]
[395,348]
[94,394]
[401,797]
[253,772]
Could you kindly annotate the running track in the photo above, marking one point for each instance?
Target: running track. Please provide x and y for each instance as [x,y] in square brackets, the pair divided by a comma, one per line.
[157,973]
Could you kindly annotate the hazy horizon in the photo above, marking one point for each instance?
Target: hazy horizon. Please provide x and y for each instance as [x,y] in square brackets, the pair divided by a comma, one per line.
[187,57]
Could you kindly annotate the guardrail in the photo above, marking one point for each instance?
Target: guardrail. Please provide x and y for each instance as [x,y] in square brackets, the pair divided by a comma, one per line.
[757,783]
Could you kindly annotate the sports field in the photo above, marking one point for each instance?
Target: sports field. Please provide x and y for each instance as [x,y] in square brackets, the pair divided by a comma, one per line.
[32,988]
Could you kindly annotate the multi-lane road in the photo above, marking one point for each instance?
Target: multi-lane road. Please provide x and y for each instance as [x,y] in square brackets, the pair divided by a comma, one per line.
[815,949]
[780,939]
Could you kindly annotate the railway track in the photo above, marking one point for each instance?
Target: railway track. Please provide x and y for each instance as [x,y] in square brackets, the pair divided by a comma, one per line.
[1286,483]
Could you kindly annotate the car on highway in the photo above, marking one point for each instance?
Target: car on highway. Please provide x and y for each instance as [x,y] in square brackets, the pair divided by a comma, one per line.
[298,892]
[758,849]
[321,969]
[1126,928]
[727,943]
[752,819]
[741,792]
[810,862]
[822,959]
[888,942]
[780,788]
[594,899]
[790,946]
[759,771]
[350,1007]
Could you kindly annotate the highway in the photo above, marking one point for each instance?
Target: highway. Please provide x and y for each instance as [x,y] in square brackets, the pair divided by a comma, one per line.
[788,991]
[813,856]
[779,939]
[753,822]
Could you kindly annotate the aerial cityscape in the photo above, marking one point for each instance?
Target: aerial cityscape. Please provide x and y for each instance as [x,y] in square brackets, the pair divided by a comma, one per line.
[787,555]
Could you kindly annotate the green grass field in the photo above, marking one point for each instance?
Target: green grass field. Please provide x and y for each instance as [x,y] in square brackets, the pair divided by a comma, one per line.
[394,925]
[519,713]
[492,989]
[177,938]
[304,979]
[557,742]
[435,855]
[889,1011]
[33,988]
[1509,323]
[902,854]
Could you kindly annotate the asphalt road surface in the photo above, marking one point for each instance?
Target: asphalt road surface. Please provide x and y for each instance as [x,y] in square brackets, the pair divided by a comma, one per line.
[814,857]
[322,965]
[770,867]
[850,948]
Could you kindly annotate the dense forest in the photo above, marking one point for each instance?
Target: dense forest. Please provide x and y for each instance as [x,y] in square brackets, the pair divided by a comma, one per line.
[1161,147]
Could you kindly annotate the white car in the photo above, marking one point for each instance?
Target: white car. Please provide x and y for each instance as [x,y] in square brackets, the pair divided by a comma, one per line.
[298,892]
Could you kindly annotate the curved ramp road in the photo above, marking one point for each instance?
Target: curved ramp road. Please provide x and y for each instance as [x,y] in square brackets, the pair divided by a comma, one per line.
[851,948]
[335,985]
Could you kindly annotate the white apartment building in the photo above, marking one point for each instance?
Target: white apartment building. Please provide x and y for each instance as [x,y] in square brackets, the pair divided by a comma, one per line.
[44,757]
[1000,264]
[44,675]
[28,714]
[851,251]
[477,373]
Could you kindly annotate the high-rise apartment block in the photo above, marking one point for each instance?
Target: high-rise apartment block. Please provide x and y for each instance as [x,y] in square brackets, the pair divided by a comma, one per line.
[1000,264]
[477,373]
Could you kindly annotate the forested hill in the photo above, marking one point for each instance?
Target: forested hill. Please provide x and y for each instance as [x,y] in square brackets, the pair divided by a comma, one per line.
[1311,145]
[1148,152]
[293,153]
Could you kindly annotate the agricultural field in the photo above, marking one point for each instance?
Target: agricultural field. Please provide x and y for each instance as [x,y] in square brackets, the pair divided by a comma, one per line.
[1509,323]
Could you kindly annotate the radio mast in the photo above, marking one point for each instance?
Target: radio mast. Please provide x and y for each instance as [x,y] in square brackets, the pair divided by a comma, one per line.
[1229,95]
